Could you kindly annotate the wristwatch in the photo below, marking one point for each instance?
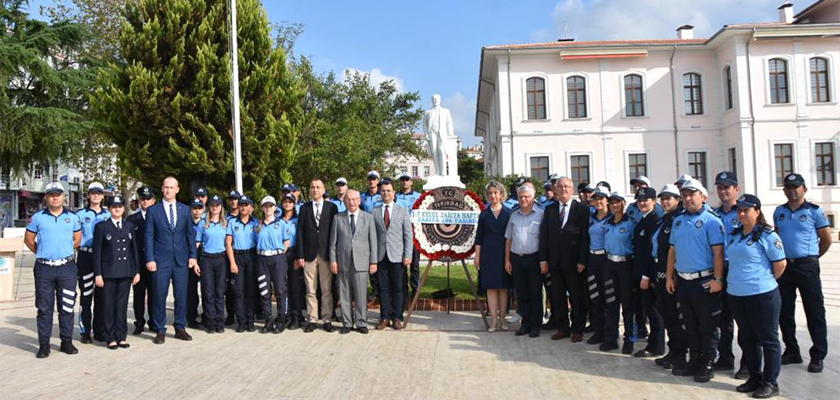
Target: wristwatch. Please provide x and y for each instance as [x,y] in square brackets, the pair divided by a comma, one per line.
[719,279]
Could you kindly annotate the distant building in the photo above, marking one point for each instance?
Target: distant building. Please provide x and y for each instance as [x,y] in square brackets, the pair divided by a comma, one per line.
[22,196]
[757,99]
[417,168]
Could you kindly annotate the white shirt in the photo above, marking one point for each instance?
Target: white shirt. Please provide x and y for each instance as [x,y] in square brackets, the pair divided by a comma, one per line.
[166,206]
[353,217]
[390,208]
[566,215]
[117,221]
[143,214]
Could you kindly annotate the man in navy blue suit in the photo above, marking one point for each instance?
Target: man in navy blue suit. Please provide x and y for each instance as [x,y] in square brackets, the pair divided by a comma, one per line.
[170,255]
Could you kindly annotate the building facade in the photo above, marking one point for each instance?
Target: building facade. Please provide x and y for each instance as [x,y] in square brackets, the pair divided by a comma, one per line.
[23,195]
[757,99]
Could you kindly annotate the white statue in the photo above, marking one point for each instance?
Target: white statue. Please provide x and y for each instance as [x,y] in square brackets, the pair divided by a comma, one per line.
[440,133]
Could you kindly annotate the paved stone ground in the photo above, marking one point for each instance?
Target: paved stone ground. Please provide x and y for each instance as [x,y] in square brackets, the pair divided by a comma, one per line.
[440,356]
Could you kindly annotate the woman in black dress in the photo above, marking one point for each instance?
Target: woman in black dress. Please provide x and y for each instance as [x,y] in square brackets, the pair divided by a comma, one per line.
[490,254]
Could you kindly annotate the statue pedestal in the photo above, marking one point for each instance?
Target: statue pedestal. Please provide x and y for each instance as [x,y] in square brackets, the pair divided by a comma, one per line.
[436,181]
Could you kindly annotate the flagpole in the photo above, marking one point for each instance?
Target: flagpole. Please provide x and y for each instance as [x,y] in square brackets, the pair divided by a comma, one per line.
[234,88]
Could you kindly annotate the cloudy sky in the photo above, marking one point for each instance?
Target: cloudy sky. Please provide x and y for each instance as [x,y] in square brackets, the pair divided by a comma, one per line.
[435,46]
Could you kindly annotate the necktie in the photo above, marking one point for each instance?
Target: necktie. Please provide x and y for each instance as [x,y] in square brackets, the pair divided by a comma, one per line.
[172,216]
[317,214]
[353,223]
[387,217]
[562,214]
[119,226]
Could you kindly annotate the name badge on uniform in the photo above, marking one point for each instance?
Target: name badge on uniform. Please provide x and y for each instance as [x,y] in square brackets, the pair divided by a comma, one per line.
[129,235]
[107,236]
[698,224]
[803,218]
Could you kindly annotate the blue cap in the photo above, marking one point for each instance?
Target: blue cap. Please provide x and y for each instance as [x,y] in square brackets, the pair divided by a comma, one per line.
[234,195]
[749,201]
[214,199]
[246,200]
[201,192]
[145,193]
[117,201]
[646,193]
[726,178]
[196,204]
[288,188]
[289,196]
[616,196]
[794,180]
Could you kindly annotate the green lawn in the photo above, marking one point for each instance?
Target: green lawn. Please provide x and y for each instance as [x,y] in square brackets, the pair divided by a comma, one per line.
[457,280]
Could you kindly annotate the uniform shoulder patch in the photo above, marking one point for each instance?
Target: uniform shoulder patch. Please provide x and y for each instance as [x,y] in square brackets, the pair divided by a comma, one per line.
[778,244]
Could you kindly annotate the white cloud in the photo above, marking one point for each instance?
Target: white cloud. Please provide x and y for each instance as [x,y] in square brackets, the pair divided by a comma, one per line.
[652,19]
[377,77]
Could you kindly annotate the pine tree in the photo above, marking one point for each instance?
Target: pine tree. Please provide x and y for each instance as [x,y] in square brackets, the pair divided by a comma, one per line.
[43,87]
[167,107]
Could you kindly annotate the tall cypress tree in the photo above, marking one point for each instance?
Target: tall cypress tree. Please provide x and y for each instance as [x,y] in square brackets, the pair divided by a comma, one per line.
[167,105]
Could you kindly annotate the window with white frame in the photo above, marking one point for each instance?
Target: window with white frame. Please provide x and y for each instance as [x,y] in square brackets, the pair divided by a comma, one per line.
[692,94]
[819,80]
[38,172]
[634,105]
[415,171]
[697,166]
[426,171]
[783,156]
[535,95]
[579,168]
[824,161]
[576,96]
[727,76]
[733,160]
[637,165]
[778,73]
[539,168]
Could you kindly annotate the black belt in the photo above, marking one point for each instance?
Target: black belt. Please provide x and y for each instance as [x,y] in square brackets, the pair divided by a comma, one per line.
[803,259]
[213,255]
[244,251]
[534,254]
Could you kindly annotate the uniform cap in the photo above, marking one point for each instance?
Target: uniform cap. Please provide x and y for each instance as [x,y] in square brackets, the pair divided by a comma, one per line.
[671,190]
[214,199]
[601,191]
[694,185]
[640,179]
[404,176]
[54,187]
[117,201]
[682,179]
[616,196]
[373,175]
[246,200]
[289,196]
[268,200]
[96,187]
[749,201]
[726,178]
[196,204]
[234,195]
[586,188]
[201,192]
[145,193]
[646,193]
[794,180]
[604,184]
[341,181]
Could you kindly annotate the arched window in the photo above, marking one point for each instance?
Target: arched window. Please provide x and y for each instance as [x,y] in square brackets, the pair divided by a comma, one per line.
[634,104]
[576,89]
[778,81]
[727,75]
[535,91]
[692,94]
[819,80]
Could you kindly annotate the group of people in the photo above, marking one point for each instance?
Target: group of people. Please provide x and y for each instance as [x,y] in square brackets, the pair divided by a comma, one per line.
[675,266]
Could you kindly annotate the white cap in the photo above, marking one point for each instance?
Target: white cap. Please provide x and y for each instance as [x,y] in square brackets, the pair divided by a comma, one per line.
[694,185]
[404,175]
[341,180]
[641,179]
[616,195]
[373,174]
[96,186]
[601,191]
[54,187]
[268,200]
[670,189]
[683,178]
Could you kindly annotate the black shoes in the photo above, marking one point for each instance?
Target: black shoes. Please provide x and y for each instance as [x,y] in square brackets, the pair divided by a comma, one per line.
[160,338]
[646,353]
[240,328]
[310,327]
[724,365]
[789,357]
[751,385]
[220,329]
[766,390]
[743,373]
[295,324]
[344,330]
[627,348]
[138,329]
[183,335]
[363,330]
[328,327]
[230,320]
[706,371]
[250,327]
[43,351]
[689,368]
[68,348]
[86,339]
[268,327]
[210,329]
[193,324]
[279,325]
[662,360]
[595,339]
[535,333]
[608,345]
[815,366]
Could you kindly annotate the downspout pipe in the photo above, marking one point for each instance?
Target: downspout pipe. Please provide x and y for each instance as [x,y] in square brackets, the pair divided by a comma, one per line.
[674,111]
[752,113]
[510,114]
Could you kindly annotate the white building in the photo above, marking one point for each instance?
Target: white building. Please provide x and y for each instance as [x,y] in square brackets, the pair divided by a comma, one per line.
[21,196]
[416,167]
[757,99]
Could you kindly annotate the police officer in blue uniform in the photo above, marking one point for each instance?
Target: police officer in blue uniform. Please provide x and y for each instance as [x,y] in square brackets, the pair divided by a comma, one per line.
[201,195]
[272,266]
[116,269]
[756,260]
[90,320]
[213,270]
[644,271]
[548,198]
[596,262]
[638,183]
[198,212]
[406,197]
[241,244]
[340,191]
[618,276]
[371,198]
[233,205]
[806,236]
[292,189]
[296,283]
[513,202]
[53,234]
[143,297]
[666,303]
[728,192]
[695,274]
[230,295]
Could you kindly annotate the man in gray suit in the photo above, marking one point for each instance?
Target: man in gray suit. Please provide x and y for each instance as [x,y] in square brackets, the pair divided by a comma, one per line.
[393,228]
[353,254]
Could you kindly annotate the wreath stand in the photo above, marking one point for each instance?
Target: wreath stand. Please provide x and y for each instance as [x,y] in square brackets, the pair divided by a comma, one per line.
[447,260]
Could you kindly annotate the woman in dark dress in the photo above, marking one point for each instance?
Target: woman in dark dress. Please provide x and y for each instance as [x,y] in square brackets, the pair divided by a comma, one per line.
[490,254]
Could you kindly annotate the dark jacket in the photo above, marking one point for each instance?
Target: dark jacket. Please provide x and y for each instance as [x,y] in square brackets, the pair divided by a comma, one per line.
[166,246]
[643,246]
[114,250]
[139,237]
[313,240]
[567,247]
[663,241]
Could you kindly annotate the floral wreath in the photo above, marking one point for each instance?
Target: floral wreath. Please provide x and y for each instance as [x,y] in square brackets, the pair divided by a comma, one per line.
[438,250]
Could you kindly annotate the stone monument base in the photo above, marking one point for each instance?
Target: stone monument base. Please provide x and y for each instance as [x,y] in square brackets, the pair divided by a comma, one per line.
[436,181]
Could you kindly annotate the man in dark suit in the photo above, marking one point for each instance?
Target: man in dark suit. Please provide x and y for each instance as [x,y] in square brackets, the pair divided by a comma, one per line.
[562,233]
[143,289]
[170,254]
[313,234]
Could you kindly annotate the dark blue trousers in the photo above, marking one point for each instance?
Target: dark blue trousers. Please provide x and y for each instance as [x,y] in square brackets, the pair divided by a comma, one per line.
[391,278]
[666,305]
[595,288]
[273,271]
[213,286]
[297,289]
[245,286]
[55,287]
[805,276]
[700,311]
[758,332]
[84,264]
[144,295]
[527,280]
[618,290]
[179,276]
[646,302]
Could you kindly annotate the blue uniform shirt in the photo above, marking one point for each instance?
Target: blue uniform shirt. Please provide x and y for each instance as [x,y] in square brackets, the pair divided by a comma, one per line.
[597,231]
[54,234]
[693,236]
[618,237]
[730,223]
[545,204]
[338,203]
[89,218]
[369,201]
[512,203]
[636,215]
[407,200]
[751,262]
[212,238]
[272,236]
[244,237]
[798,229]
[291,230]
[230,216]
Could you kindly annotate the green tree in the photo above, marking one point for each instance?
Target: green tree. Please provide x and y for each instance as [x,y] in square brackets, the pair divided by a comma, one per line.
[43,87]
[469,168]
[167,107]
